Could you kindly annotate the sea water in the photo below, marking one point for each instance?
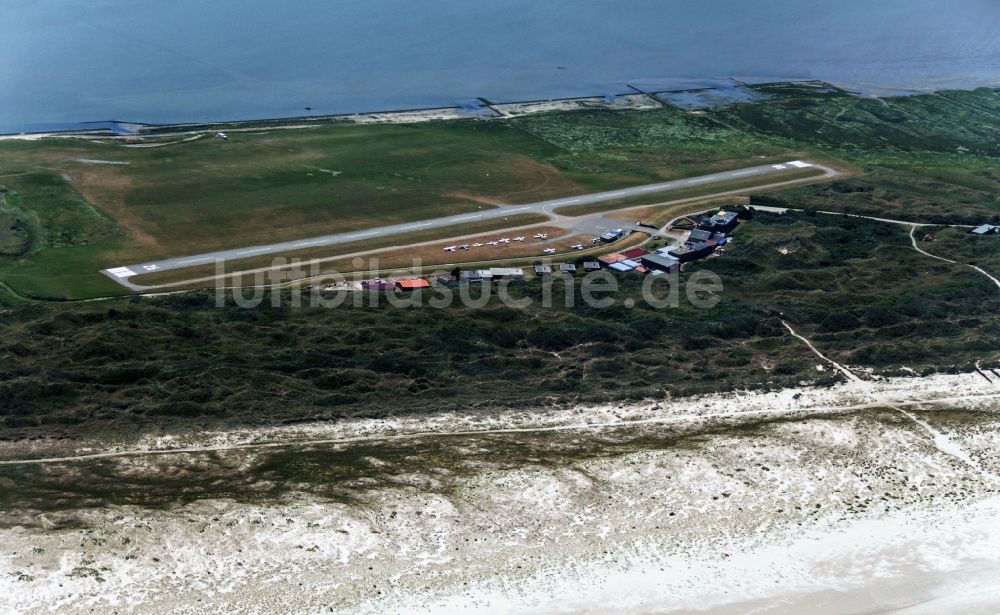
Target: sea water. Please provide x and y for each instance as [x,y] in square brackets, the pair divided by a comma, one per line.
[63,62]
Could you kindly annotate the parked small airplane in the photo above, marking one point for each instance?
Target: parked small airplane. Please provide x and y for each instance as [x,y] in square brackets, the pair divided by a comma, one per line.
[464,246]
[519,239]
[477,245]
[492,243]
[505,240]
[577,246]
[451,248]
[549,250]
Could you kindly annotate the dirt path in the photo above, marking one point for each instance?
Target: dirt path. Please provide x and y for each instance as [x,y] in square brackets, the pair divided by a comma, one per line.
[913,227]
[913,240]
[847,373]
[941,442]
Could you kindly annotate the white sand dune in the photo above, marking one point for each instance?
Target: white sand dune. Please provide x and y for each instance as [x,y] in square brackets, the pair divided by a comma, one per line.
[858,511]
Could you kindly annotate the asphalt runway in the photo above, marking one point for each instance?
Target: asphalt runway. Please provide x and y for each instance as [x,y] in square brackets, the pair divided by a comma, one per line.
[123,273]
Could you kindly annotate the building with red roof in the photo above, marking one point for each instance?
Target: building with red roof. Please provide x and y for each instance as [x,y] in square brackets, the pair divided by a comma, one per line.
[634,253]
[405,285]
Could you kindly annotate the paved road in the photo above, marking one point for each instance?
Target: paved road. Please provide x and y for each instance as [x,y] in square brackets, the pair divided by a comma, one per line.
[122,274]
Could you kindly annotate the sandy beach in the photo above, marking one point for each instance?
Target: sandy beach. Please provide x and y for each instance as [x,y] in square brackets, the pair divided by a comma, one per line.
[755,502]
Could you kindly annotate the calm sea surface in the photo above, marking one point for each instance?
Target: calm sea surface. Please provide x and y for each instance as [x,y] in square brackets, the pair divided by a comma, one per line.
[68,61]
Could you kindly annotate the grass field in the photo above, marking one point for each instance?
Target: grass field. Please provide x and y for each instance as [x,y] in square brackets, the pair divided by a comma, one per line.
[694,192]
[931,157]
[206,194]
[326,254]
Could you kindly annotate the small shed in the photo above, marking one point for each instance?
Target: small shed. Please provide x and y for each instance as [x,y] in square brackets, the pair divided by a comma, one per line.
[542,270]
[591,265]
[568,268]
[506,273]
[613,235]
[986,229]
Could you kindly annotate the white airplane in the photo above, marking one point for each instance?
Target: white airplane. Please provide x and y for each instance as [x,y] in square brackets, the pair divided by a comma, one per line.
[577,246]
[539,236]
[477,245]
[505,240]
[492,243]
[549,250]
[595,240]
[519,239]
[451,248]
[464,246]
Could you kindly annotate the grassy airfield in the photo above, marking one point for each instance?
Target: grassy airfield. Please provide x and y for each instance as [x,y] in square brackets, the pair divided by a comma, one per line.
[67,212]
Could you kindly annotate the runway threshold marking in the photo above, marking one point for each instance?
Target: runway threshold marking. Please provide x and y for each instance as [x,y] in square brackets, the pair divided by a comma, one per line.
[121,272]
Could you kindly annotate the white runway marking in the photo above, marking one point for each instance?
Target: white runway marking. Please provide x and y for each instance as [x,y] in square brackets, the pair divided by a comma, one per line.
[695,181]
[745,172]
[194,260]
[799,164]
[254,251]
[121,272]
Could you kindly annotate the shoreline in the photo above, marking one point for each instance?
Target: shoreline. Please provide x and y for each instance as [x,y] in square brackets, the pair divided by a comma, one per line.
[634,99]
[772,518]
[487,110]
